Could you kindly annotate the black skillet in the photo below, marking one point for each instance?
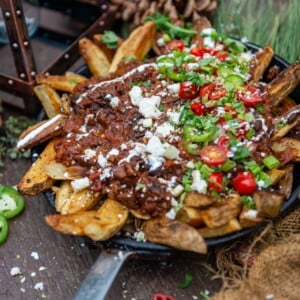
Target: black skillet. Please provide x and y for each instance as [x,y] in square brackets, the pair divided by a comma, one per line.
[116,250]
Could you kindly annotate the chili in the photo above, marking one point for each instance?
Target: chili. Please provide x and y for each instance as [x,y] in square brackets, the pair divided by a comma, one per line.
[3,229]
[11,202]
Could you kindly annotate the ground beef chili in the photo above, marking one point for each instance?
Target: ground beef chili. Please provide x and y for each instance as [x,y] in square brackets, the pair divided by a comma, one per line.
[138,142]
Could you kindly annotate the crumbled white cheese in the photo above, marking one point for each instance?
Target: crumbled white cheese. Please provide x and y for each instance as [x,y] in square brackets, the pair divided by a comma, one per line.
[160,42]
[199,185]
[171,214]
[113,152]
[177,190]
[114,102]
[80,184]
[136,95]
[147,123]
[33,274]
[89,153]
[172,152]
[155,162]
[173,116]
[148,107]
[174,88]
[102,161]
[15,271]
[164,130]
[155,146]
[251,213]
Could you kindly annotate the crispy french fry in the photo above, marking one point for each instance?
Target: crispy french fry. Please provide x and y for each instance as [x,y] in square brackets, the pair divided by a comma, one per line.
[41,132]
[262,60]
[230,227]
[59,82]
[175,234]
[35,179]
[49,99]
[95,58]
[137,44]
[99,225]
[76,77]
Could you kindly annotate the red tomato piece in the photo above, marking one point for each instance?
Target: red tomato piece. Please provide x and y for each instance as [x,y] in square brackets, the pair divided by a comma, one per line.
[244,183]
[199,52]
[220,55]
[198,109]
[176,45]
[212,91]
[160,296]
[250,95]
[223,141]
[213,155]
[187,90]
[215,181]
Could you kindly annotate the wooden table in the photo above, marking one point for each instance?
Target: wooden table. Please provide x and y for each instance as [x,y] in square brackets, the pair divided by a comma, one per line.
[53,265]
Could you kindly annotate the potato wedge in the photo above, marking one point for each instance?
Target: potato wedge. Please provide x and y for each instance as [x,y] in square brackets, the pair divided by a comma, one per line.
[262,60]
[175,234]
[285,184]
[286,122]
[249,217]
[60,82]
[95,58]
[58,171]
[284,143]
[268,203]
[190,215]
[137,44]
[98,225]
[218,215]
[35,179]
[74,76]
[41,132]
[230,227]
[49,99]
[286,81]
[62,195]
[77,201]
[275,175]
[194,199]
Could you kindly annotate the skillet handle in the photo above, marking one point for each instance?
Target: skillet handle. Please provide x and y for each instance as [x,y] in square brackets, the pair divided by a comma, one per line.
[102,274]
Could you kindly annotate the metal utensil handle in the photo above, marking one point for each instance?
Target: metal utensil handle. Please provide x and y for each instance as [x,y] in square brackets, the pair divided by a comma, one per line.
[102,274]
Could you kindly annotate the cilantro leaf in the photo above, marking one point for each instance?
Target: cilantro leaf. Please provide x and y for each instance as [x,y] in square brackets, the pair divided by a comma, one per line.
[188,278]
[110,39]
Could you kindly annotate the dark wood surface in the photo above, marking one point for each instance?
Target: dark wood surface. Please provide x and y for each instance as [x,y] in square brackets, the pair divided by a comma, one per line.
[63,261]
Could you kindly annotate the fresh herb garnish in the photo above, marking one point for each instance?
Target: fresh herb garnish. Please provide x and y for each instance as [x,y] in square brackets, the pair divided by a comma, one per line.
[165,24]
[248,202]
[204,294]
[110,39]
[188,278]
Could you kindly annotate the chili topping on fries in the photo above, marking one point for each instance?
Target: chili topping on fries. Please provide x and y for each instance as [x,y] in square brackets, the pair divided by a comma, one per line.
[184,139]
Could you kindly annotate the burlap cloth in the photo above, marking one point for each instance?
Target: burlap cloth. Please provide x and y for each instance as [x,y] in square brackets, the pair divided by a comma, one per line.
[264,266]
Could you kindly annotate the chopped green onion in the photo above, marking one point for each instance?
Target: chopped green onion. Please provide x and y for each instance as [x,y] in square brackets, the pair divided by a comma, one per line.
[271,162]
[228,165]
[248,201]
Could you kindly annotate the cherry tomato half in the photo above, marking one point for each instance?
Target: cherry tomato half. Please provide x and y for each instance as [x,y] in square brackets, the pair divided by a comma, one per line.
[160,296]
[212,91]
[215,181]
[250,95]
[213,155]
[244,183]
[198,109]
[175,45]
[187,90]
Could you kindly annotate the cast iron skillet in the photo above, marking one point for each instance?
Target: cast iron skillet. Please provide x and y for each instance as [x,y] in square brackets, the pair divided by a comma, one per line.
[116,250]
